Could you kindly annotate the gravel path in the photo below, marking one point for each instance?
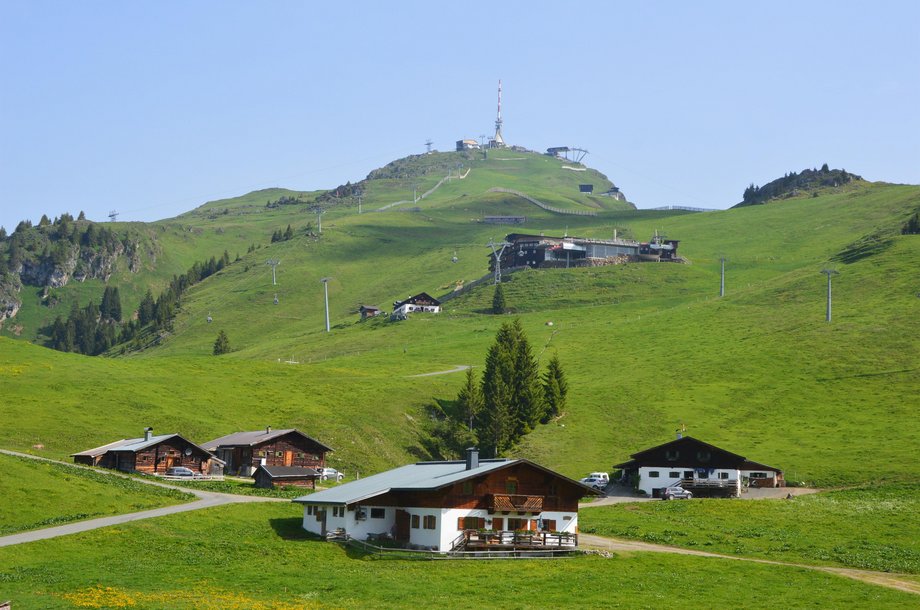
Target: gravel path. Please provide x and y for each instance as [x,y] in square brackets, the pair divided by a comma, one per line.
[456,369]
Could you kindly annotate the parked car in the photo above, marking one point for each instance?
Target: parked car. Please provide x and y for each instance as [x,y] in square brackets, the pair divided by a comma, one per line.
[602,476]
[595,482]
[325,474]
[180,471]
[676,493]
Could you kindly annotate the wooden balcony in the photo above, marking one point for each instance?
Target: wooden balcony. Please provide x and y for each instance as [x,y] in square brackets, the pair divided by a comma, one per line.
[472,540]
[518,503]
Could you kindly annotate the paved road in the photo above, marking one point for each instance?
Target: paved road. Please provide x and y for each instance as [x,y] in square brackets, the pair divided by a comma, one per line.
[206,499]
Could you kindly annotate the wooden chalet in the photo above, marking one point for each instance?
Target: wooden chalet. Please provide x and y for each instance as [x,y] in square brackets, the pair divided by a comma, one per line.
[268,477]
[150,454]
[422,302]
[455,506]
[703,469]
[369,311]
[244,452]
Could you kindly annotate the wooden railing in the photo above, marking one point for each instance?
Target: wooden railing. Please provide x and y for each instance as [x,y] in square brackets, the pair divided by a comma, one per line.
[516,503]
[476,538]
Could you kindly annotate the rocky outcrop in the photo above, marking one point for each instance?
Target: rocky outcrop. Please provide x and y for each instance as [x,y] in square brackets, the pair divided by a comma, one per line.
[9,296]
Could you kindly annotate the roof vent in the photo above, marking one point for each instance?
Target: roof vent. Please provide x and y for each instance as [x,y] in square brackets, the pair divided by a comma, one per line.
[268,429]
[148,432]
[472,458]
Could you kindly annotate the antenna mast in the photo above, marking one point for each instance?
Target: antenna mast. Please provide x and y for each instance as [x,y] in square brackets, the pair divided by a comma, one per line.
[498,141]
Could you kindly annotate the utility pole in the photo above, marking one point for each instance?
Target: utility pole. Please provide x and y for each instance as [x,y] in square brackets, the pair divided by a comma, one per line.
[829,273]
[325,282]
[722,281]
[359,204]
[273,262]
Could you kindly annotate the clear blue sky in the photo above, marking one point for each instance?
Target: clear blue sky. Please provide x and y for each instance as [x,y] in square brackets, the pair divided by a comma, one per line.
[153,108]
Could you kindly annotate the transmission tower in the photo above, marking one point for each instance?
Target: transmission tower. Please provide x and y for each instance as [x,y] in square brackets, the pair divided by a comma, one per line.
[273,262]
[428,144]
[113,216]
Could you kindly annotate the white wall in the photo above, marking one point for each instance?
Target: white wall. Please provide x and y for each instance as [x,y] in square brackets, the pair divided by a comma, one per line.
[647,483]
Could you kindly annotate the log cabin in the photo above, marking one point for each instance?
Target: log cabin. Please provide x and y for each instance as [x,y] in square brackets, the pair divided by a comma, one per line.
[701,468]
[243,452]
[451,506]
[149,454]
[267,477]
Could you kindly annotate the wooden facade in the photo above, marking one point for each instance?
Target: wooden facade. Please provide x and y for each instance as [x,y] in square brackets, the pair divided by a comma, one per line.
[149,454]
[267,477]
[521,487]
[244,452]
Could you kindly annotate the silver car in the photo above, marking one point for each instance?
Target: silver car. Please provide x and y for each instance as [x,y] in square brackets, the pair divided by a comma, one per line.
[676,493]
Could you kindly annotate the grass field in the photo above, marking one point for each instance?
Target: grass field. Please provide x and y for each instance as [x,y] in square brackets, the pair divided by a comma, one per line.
[871,528]
[258,557]
[40,494]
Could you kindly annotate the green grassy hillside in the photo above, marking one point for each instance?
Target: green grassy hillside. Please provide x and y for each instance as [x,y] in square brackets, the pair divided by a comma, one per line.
[39,494]
[647,347]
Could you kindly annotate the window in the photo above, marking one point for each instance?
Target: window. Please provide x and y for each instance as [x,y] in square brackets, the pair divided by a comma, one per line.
[688,474]
[511,486]
[517,524]
[723,475]
[279,454]
[311,510]
[378,513]
[552,489]
[673,474]
[338,511]
[299,455]
[672,455]
[261,454]
[430,522]
[653,474]
[471,523]
[703,456]
[415,522]
[758,475]
[467,488]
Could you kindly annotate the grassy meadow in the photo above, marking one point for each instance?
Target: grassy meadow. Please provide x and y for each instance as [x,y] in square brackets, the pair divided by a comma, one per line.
[257,556]
[42,494]
[870,528]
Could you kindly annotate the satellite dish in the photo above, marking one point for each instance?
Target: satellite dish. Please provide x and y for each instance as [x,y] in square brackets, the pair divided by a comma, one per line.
[188,451]
[454,259]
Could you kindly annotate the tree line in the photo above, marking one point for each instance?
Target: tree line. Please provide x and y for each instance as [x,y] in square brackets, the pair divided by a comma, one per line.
[94,329]
[506,403]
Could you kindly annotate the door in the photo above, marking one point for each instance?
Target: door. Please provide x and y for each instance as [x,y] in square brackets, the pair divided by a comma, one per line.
[402,525]
[321,517]
[288,458]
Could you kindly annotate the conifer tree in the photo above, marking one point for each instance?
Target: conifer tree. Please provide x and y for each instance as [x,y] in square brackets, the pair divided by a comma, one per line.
[222,344]
[498,300]
[469,399]
[555,389]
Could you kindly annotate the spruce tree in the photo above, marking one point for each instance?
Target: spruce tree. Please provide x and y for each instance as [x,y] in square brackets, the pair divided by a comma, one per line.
[527,396]
[495,427]
[146,309]
[498,300]
[222,344]
[469,399]
[555,389]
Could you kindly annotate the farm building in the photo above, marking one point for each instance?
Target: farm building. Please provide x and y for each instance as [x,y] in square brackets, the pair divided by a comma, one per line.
[422,302]
[541,251]
[704,469]
[454,505]
[467,145]
[267,477]
[244,452]
[150,454]
[369,311]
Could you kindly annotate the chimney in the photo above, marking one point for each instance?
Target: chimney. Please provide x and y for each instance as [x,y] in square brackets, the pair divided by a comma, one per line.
[472,458]
[268,429]
[148,432]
